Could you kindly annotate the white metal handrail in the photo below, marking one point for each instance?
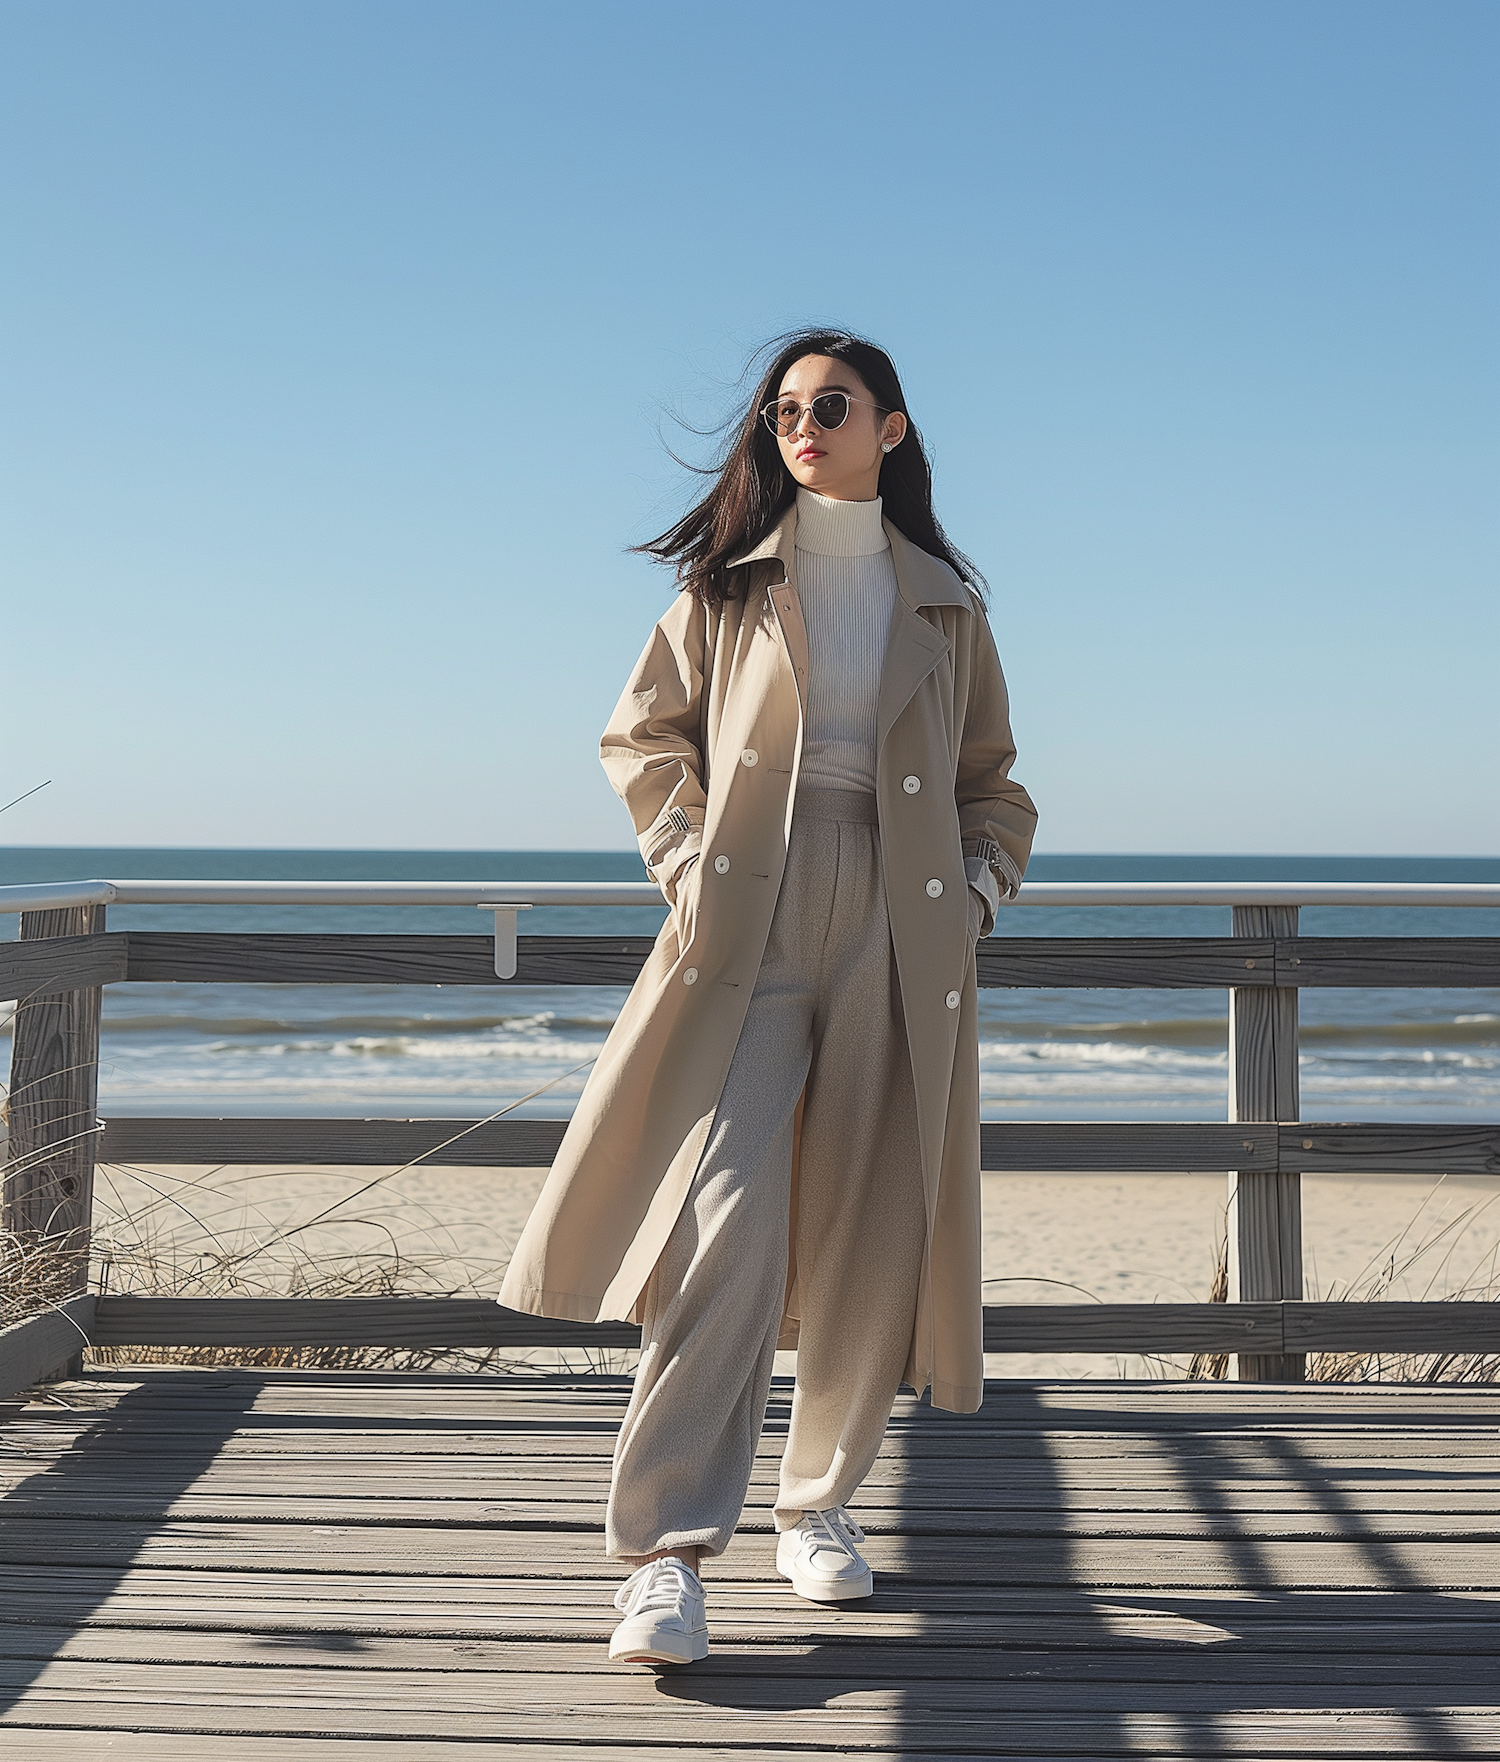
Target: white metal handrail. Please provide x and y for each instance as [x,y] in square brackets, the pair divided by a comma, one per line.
[55,895]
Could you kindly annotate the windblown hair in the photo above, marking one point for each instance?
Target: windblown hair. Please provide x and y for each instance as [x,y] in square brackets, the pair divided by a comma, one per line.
[753,488]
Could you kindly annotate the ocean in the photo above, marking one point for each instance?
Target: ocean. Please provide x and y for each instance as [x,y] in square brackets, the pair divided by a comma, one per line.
[367,1050]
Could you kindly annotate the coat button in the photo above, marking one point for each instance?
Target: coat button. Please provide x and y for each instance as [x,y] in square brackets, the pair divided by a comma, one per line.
[749,757]
[934,888]
[690,977]
[951,1000]
[721,865]
[911,784]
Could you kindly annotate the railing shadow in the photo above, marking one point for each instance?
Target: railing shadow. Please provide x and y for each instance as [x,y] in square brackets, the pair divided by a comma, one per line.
[55,1573]
[1012,1631]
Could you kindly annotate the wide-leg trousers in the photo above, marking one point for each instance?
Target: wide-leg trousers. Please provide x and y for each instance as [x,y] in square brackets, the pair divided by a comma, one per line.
[826,1016]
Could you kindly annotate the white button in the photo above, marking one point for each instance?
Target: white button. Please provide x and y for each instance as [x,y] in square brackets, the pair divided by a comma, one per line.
[911,784]
[749,756]
[934,888]
[690,977]
[951,1000]
[721,865]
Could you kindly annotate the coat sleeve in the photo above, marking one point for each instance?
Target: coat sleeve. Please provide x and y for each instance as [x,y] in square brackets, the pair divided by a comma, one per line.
[652,749]
[996,818]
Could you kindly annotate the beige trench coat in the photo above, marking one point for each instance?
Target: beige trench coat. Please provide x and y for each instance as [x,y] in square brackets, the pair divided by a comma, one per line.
[704,748]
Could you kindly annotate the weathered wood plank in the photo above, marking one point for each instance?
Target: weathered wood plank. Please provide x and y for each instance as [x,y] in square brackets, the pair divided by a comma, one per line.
[323,1321]
[1107,963]
[1034,1418]
[1174,1481]
[48,1177]
[1098,1414]
[1258,1147]
[61,963]
[1298,1327]
[1264,1216]
[1172,1484]
[976,1517]
[1010,1146]
[1237,1736]
[1048,1327]
[752,1710]
[1054,1147]
[1091,1658]
[33,1349]
[1189,1485]
[34,1743]
[1319,1147]
[299,959]
[1130,1327]
[1389,961]
[1459,1462]
[500,1609]
[1125,962]
[456,1143]
[1133,1563]
[1392,1327]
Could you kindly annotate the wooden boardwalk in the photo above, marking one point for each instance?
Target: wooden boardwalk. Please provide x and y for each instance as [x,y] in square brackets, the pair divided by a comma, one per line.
[275,1565]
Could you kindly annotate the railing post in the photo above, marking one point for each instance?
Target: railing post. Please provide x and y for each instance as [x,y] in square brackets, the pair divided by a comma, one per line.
[1265,1211]
[54,1086]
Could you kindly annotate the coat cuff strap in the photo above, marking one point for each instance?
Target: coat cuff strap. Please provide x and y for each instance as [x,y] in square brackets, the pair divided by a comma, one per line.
[1002,865]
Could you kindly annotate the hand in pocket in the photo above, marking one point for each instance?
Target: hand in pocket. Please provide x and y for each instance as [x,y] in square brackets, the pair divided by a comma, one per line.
[976,917]
[684,883]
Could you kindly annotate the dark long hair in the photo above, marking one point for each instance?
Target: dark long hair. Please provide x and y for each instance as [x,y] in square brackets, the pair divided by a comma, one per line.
[753,488]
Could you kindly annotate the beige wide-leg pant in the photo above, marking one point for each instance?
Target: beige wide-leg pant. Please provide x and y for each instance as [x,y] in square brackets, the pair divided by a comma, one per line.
[825,1012]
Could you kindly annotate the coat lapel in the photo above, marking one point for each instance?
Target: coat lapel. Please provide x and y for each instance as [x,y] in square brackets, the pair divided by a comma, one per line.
[915,646]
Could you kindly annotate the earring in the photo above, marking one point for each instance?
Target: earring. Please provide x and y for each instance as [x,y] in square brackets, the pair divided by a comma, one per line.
[888,446]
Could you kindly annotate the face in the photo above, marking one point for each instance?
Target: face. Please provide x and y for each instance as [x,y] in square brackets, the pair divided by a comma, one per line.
[844,462]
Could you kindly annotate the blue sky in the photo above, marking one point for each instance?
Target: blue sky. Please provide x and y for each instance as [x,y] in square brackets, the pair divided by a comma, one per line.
[340,345]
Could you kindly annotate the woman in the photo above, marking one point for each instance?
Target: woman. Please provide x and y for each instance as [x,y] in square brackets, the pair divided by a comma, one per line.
[779,1144]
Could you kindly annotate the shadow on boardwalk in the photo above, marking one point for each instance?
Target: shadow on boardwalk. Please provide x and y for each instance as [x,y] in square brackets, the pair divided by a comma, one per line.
[269,1565]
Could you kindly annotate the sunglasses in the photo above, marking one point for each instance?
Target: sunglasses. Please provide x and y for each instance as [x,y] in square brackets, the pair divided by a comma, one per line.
[829,410]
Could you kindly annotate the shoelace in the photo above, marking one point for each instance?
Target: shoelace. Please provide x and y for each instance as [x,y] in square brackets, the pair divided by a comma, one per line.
[659,1584]
[834,1525]
[839,1514]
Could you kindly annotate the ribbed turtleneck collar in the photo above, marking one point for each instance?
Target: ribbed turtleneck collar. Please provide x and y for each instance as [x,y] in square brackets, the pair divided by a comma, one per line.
[839,529]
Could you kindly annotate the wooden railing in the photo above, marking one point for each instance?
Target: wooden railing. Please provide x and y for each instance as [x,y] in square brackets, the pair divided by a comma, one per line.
[66,955]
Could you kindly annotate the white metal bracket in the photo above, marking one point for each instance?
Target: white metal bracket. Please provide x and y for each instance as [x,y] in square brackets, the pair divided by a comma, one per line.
[505,937]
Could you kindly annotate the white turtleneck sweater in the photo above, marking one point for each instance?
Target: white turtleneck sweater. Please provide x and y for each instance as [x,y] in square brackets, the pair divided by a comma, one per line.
[847,584]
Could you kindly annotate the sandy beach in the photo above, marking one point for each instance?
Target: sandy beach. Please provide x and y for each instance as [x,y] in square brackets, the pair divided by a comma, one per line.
[1048,1238]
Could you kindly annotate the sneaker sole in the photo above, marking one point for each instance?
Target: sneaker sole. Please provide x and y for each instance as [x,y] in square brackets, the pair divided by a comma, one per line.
[817,1590]
[659,1654]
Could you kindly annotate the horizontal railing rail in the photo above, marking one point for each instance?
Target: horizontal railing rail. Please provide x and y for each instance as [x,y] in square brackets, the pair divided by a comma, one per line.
[1006,1146]
[1016,962]
[60,895]
[29,1350]
[65,957]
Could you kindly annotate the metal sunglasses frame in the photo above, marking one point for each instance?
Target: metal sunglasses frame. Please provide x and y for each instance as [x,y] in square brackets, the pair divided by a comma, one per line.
[768,413]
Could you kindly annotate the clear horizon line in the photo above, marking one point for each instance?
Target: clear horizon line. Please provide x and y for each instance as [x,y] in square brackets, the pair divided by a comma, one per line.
[628,850]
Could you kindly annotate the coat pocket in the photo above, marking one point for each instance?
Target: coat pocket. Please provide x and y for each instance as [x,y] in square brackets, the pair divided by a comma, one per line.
[976,917]
[683,899]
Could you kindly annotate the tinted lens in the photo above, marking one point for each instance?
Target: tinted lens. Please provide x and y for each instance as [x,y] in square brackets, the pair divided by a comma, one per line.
[830,410]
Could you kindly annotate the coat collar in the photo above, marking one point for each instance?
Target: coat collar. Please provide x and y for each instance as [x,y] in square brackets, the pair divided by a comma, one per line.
[923,580]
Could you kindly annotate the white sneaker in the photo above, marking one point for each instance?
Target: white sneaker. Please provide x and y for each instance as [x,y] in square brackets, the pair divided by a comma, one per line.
[821,1558]
[665,1618]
